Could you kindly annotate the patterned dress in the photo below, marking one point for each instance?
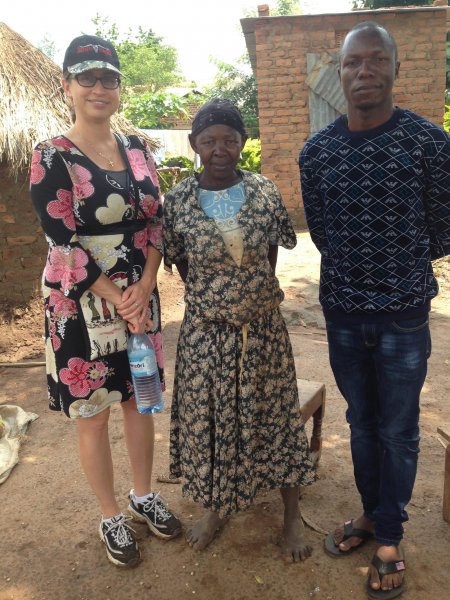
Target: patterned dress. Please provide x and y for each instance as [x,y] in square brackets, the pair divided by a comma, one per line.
[236,424]
[93,224]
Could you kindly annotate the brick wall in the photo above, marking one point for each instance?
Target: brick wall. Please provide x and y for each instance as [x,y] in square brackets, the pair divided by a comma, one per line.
[281,47]
[22,243]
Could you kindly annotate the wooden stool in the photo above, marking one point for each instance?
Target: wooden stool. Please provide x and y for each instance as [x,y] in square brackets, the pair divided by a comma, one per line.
[311,395]
[445,433]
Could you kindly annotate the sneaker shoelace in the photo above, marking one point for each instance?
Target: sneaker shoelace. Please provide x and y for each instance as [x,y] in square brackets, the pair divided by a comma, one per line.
[160,512]
[120,532]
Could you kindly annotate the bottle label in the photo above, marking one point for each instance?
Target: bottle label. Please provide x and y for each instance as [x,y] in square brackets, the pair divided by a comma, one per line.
[143,366]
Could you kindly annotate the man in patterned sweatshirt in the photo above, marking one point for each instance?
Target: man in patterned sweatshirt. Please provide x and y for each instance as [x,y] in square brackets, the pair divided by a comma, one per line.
[376,193]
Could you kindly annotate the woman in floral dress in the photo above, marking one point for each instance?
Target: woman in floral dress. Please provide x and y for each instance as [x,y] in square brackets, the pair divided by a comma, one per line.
[236,425]
[97,199]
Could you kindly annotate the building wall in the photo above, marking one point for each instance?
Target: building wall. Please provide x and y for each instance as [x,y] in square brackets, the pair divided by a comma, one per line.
[282,44]
[22,243]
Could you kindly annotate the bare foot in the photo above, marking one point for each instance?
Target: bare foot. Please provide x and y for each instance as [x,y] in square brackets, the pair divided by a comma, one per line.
[203,531]
[360,523]
[388,582]
[292,544]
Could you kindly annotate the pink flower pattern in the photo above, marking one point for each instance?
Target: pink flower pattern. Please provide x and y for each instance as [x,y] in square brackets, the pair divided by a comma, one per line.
[155,237]
[138,164]
[150,206]
[141,239]
[82,186]
[82,376]
[37,170]
[62,143]
[62,208]
[62,306]
[152,170]
[56,340]
[66,265]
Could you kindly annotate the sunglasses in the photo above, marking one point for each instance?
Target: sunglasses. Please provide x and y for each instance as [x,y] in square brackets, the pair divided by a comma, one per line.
[108,81]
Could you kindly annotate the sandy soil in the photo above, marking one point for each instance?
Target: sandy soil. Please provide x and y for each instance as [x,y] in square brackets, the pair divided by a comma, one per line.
[49,545]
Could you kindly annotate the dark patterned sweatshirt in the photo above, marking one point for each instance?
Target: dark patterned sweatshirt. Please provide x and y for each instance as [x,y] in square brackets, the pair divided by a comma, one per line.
[377,203]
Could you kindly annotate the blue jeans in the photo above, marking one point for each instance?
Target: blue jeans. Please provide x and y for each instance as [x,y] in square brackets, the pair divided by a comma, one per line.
[380,370]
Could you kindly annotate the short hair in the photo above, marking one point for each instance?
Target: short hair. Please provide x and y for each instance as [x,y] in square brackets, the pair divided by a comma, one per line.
[377,29]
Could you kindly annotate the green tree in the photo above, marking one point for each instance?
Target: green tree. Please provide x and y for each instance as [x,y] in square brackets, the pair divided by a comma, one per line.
[234,83]
[148,110]
[286,7]
[145,60]
[47,46]
[149,66]
[251,156]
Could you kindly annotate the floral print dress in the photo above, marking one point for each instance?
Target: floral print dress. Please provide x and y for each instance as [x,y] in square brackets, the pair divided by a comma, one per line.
[235,424]
[93,223]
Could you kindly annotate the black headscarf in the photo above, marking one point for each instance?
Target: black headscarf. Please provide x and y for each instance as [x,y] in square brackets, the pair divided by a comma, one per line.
[218,112]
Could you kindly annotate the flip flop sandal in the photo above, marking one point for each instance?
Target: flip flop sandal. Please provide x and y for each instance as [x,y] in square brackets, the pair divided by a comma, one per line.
[349,531]
[386,568]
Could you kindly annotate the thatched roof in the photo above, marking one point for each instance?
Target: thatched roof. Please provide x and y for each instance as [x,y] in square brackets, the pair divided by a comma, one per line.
[32,106]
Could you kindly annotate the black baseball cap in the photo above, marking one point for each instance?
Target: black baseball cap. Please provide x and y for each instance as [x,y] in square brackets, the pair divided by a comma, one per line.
[87,52]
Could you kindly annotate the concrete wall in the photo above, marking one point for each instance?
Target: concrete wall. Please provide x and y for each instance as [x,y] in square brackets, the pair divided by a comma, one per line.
[22,244]
[282,45]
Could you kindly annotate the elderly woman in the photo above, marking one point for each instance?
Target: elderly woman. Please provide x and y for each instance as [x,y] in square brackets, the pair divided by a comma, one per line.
[96,195]
[236,425]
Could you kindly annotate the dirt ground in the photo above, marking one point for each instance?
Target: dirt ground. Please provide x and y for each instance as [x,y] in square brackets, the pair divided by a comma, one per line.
[49,545]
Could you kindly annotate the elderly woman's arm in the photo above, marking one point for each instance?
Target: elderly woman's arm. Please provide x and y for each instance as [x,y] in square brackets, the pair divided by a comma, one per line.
[273,255]
[174,250]
[182,268]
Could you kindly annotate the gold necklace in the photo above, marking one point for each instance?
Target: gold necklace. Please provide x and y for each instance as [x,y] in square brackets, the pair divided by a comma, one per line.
[108,160]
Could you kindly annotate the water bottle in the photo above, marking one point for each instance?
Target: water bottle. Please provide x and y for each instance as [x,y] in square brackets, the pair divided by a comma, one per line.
[144,373]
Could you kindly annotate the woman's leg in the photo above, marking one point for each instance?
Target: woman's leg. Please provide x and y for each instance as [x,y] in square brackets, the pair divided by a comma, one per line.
[292,542]
[145,505]
[96,460]
[139,438]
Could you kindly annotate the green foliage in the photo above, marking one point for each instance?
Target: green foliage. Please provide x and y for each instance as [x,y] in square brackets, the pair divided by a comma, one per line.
[145,60]
[181,167]
[148,110]
[251,156]
[286,7]
[447,118]
[47,46]
[179,161]
[238,86]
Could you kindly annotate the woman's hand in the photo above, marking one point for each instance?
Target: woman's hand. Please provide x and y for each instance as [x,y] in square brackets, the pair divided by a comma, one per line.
[134,305]
[140,326]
